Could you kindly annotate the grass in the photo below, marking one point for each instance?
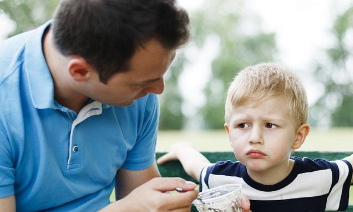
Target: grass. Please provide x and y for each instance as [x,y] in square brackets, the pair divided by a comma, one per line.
[337,139]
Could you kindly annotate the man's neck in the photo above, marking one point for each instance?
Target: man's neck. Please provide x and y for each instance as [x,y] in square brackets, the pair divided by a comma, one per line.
[64,92]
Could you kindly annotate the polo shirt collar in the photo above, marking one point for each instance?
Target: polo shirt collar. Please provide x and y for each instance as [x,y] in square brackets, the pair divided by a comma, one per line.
[41,86]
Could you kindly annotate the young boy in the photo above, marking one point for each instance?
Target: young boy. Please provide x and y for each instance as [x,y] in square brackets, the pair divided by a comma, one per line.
[266,119]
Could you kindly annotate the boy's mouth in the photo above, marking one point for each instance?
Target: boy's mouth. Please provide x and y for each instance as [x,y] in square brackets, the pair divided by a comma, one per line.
[256,154]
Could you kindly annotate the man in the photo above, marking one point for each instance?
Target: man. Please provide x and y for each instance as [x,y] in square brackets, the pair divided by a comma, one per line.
[79,109]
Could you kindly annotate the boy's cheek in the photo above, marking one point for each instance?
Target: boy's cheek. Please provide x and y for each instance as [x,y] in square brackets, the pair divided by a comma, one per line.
[238,148]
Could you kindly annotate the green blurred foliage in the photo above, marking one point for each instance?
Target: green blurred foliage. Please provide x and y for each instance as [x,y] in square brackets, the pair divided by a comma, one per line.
[222,19]
[225,20]
[334,107]
[172,117]
[237,50]
[28,14]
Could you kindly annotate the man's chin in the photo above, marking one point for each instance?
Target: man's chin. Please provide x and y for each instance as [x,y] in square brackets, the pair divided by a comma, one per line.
[130,103]
[126,103]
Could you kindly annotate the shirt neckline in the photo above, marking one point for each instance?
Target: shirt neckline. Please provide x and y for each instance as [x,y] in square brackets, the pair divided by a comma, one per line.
[285,182]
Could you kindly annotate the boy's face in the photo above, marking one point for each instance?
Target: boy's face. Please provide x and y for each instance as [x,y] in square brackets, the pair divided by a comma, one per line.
[263,135]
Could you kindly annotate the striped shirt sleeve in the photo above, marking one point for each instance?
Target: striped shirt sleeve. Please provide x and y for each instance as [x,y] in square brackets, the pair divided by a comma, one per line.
[339,195]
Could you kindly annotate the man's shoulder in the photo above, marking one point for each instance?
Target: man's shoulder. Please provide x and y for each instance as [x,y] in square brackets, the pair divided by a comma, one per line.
[12,55]
[13,46]
[141,111]
[14,50]
[14,41]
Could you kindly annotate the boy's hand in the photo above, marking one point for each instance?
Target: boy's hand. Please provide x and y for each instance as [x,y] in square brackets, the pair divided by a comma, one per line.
[245,203]
[174,152]
[192,160]
[350,160]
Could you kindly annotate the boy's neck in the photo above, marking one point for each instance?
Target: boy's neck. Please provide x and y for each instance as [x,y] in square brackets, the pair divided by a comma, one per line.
[272,176]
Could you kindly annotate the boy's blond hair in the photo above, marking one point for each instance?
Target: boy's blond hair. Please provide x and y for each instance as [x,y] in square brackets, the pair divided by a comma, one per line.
[264,81]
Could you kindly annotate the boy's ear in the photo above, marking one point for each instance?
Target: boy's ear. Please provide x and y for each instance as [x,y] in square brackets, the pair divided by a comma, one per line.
[227,128]
[302,132]
[79,69]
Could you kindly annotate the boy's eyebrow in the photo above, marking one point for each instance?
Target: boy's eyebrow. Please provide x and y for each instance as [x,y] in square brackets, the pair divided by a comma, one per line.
[239,116]
[237,119]
[242,117]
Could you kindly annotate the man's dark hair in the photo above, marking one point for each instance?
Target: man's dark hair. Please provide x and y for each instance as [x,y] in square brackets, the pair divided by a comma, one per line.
[106,33]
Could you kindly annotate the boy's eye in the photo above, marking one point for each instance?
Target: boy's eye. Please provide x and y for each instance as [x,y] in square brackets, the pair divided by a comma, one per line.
[270,125]
[243,125]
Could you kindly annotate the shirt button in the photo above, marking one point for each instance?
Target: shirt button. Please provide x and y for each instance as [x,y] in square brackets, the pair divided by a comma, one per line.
[75,148]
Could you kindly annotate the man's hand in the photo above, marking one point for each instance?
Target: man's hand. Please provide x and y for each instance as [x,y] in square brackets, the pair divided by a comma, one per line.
[155,196]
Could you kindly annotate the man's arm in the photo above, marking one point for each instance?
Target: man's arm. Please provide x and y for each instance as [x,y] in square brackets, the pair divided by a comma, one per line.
[193,161]
[127,180]
[8,204]
[350,160]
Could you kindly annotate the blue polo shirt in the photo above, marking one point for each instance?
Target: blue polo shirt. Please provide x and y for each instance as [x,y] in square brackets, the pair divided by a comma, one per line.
[52,158]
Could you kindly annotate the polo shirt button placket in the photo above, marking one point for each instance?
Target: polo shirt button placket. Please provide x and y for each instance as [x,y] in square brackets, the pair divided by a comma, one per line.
[91,109]
[75,148]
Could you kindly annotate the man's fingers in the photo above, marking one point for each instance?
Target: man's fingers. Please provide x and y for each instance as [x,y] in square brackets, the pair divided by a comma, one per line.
[186,209]
[171,183]
[175,200]
[179,200]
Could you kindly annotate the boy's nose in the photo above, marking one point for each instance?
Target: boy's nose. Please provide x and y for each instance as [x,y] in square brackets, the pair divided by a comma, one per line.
[256,136]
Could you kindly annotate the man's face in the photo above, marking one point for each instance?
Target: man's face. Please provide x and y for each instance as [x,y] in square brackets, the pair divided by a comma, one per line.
[145,75]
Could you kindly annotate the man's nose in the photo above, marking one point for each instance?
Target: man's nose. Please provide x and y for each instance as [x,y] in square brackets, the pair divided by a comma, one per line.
[156,87]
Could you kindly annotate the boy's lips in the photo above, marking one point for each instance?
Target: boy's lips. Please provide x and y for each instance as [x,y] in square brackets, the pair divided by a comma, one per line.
[255,154]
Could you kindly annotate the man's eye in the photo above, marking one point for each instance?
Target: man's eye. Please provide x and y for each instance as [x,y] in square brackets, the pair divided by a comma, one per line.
[243,125]
[270,125]
[138,86]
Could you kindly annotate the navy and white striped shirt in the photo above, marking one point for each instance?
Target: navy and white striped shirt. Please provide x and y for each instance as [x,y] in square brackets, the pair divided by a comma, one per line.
[312,186]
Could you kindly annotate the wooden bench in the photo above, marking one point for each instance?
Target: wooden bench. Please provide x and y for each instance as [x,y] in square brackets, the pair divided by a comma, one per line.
[174,168]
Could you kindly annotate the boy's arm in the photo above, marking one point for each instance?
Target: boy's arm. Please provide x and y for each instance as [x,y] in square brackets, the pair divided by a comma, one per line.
[350,160]
[192,161]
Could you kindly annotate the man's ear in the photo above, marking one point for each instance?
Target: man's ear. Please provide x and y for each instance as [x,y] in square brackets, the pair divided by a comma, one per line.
[302,132]
[79,69]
